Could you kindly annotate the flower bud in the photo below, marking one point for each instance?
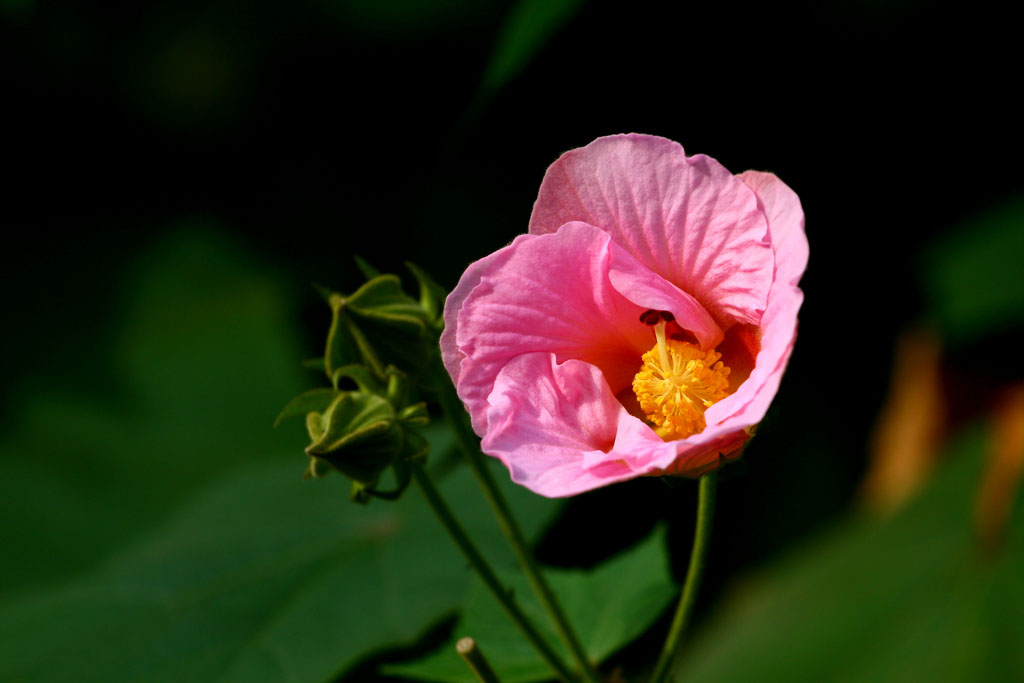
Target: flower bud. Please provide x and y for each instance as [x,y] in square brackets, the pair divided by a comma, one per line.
[379,325]
[358,434]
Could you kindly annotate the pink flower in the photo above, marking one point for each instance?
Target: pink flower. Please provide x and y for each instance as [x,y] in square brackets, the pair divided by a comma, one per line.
[641,327]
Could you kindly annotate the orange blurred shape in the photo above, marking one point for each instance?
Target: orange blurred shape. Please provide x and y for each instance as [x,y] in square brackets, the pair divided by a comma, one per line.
[905,442]
[1003,471]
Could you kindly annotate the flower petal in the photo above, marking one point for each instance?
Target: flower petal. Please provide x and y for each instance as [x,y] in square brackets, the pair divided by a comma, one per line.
[651,291]
[748,405]
[560,431]
[780,204]
[450,353]
[687,219]
[785,223]
[553,294]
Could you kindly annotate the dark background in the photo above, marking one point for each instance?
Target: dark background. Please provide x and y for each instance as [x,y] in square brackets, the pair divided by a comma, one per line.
[314,130]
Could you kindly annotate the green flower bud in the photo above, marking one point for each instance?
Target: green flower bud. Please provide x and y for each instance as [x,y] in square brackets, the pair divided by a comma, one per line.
[358,434]
[379,325]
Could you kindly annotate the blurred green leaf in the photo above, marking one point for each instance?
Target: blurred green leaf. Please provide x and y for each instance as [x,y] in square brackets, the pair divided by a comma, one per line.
[195,376]
[909,598]
[527,28]
[975,276]
[610,606]
[262,577]
[161,531]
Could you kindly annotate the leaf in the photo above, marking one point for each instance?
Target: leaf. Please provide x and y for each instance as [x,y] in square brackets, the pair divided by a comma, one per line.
[156,527]
[189,383]
[314,400]
[909,598]
[973,276]
[609,606]
[263,577]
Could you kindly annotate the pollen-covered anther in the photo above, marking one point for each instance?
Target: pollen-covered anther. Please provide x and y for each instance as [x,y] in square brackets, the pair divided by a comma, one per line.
[677,383]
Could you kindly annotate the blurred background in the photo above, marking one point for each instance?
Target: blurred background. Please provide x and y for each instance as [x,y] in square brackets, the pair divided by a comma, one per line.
[179,174]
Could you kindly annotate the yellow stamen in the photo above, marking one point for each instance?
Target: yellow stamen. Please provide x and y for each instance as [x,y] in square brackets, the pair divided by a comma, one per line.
[677,383]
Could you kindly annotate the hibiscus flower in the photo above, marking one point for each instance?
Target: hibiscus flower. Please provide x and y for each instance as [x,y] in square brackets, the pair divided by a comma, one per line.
[641,327]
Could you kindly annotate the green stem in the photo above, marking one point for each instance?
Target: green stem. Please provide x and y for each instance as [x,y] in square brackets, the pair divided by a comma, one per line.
[698,560]
[501,593]
[475,660]
[470,446]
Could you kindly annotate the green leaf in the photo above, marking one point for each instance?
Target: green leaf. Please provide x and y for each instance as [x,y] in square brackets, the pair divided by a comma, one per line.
[527,28]
[155,527]
[263,577]
[189,382]
[314,400]
[973,275]
[609,606]
[909,598]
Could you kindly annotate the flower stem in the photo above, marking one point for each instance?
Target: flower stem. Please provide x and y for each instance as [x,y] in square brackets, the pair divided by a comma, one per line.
[470,446]
[501,593]
[475,660]
[698,559]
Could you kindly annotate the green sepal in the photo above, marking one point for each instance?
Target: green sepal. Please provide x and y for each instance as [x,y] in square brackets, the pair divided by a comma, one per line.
[364,378]
[358,435]
[432,295]
[360,493]
[398,387]
[416,447]
[365,267]
[324,292]
[314,400]
[315,426]
[379,325]
[364,493]
[390,327]
[342,348]
[414,415]
[316,469]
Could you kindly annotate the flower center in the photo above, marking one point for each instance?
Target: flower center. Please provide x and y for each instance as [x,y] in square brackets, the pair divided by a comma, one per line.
[677,383]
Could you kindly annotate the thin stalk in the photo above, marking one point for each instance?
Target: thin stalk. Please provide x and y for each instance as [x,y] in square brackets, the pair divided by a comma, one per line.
[470,446]
[698,560]
[501,593]
[475,660]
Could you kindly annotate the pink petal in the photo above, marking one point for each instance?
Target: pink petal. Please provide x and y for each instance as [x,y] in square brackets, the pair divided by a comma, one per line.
[749,404]
[785,223]
[650,291]
[450,353]
[553,294]
[560,431]
[687,219]
[778,327]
